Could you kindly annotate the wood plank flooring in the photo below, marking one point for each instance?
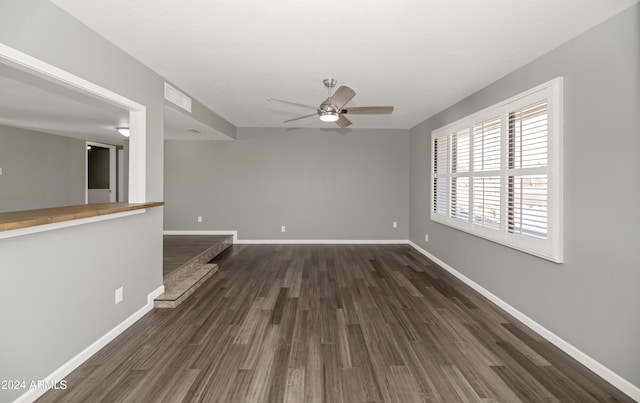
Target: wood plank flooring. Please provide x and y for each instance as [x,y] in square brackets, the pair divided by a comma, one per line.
[331,323]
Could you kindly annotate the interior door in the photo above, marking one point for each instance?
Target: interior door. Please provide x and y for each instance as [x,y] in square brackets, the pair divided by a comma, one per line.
[101,173]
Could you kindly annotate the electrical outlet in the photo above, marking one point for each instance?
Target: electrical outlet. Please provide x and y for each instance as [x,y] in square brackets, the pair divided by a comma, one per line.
[119,295]
[199,218]
[0,170]
[283,228]
[426,237]
[395,224]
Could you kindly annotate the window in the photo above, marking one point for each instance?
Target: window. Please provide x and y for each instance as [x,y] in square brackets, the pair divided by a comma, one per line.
[498,173]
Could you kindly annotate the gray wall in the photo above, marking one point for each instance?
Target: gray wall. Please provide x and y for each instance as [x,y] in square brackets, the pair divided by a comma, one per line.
[40,170]
[57,290]
[320,184]
[57,287]
[592,300]
[209,118]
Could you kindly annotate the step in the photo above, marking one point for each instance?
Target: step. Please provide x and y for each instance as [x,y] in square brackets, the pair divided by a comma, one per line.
[184,282]
[183,250]
[192,271]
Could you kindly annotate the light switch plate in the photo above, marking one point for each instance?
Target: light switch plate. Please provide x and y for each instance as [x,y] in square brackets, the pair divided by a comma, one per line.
[119,295]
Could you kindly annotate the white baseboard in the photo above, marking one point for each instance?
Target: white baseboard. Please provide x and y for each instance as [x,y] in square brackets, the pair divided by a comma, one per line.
[59,374]
[604,372]
[204,232]
[322,241]
[288,241]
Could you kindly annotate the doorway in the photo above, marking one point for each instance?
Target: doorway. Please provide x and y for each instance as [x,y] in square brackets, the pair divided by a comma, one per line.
[135,166]
[101,173]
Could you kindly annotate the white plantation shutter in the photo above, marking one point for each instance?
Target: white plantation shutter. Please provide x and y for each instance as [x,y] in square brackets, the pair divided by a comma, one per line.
[460,198]
[528,154]
[528,136]
[460,164]
[486,145]
[487,157]
[527,205]
[486,202]
[440,202]
[441,151]
[498,174]
[460,151]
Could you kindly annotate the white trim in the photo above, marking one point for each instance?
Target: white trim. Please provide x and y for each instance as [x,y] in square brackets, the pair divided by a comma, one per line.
[204,232]
[84,355]
[137,112]
[30,64]
[137,156]
[120,180]
[616,380]
[550,248]
[64,224]
[288,241]
[323,241]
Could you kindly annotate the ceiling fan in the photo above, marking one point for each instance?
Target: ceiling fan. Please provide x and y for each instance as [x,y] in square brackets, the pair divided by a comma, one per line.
[333,108]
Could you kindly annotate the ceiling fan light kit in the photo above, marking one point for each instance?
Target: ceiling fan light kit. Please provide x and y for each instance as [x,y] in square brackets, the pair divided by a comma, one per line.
[328,116]
[331,110]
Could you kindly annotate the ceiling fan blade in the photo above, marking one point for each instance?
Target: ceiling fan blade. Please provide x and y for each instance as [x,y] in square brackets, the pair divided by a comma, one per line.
[301,117]
[343,95]
[368,110]
[292,103]
[343,121]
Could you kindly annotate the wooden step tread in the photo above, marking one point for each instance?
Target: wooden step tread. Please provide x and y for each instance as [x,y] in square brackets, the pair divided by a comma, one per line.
[183,283]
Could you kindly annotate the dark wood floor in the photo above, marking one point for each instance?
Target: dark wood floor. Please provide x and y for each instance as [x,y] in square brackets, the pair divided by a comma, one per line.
[320,323]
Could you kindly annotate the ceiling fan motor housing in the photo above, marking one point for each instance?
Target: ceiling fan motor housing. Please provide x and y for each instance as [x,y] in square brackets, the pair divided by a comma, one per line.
[327,107]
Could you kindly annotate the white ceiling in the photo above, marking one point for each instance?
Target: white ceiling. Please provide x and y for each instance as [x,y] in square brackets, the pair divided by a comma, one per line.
[419,55]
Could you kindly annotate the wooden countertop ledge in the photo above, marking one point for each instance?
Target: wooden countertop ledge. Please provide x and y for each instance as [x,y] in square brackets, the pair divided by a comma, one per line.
[31,218]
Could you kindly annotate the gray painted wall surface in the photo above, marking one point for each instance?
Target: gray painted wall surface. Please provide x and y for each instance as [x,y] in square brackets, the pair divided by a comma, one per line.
[592,300]
[210,118]
[40,170]
[319,184]
[57,288]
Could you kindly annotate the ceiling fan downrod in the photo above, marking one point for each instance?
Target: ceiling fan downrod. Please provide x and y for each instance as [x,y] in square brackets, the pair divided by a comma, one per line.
[329,83]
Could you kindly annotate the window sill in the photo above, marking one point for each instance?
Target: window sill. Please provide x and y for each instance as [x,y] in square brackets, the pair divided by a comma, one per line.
[31,221]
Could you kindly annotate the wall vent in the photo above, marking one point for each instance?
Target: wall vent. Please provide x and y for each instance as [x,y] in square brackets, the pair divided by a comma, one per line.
[172,95]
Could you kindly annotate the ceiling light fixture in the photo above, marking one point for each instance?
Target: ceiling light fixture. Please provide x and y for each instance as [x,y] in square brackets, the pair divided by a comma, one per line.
[328,116]
[124,131]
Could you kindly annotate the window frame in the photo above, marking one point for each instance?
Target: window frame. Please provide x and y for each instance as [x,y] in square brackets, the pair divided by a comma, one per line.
[550,248]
